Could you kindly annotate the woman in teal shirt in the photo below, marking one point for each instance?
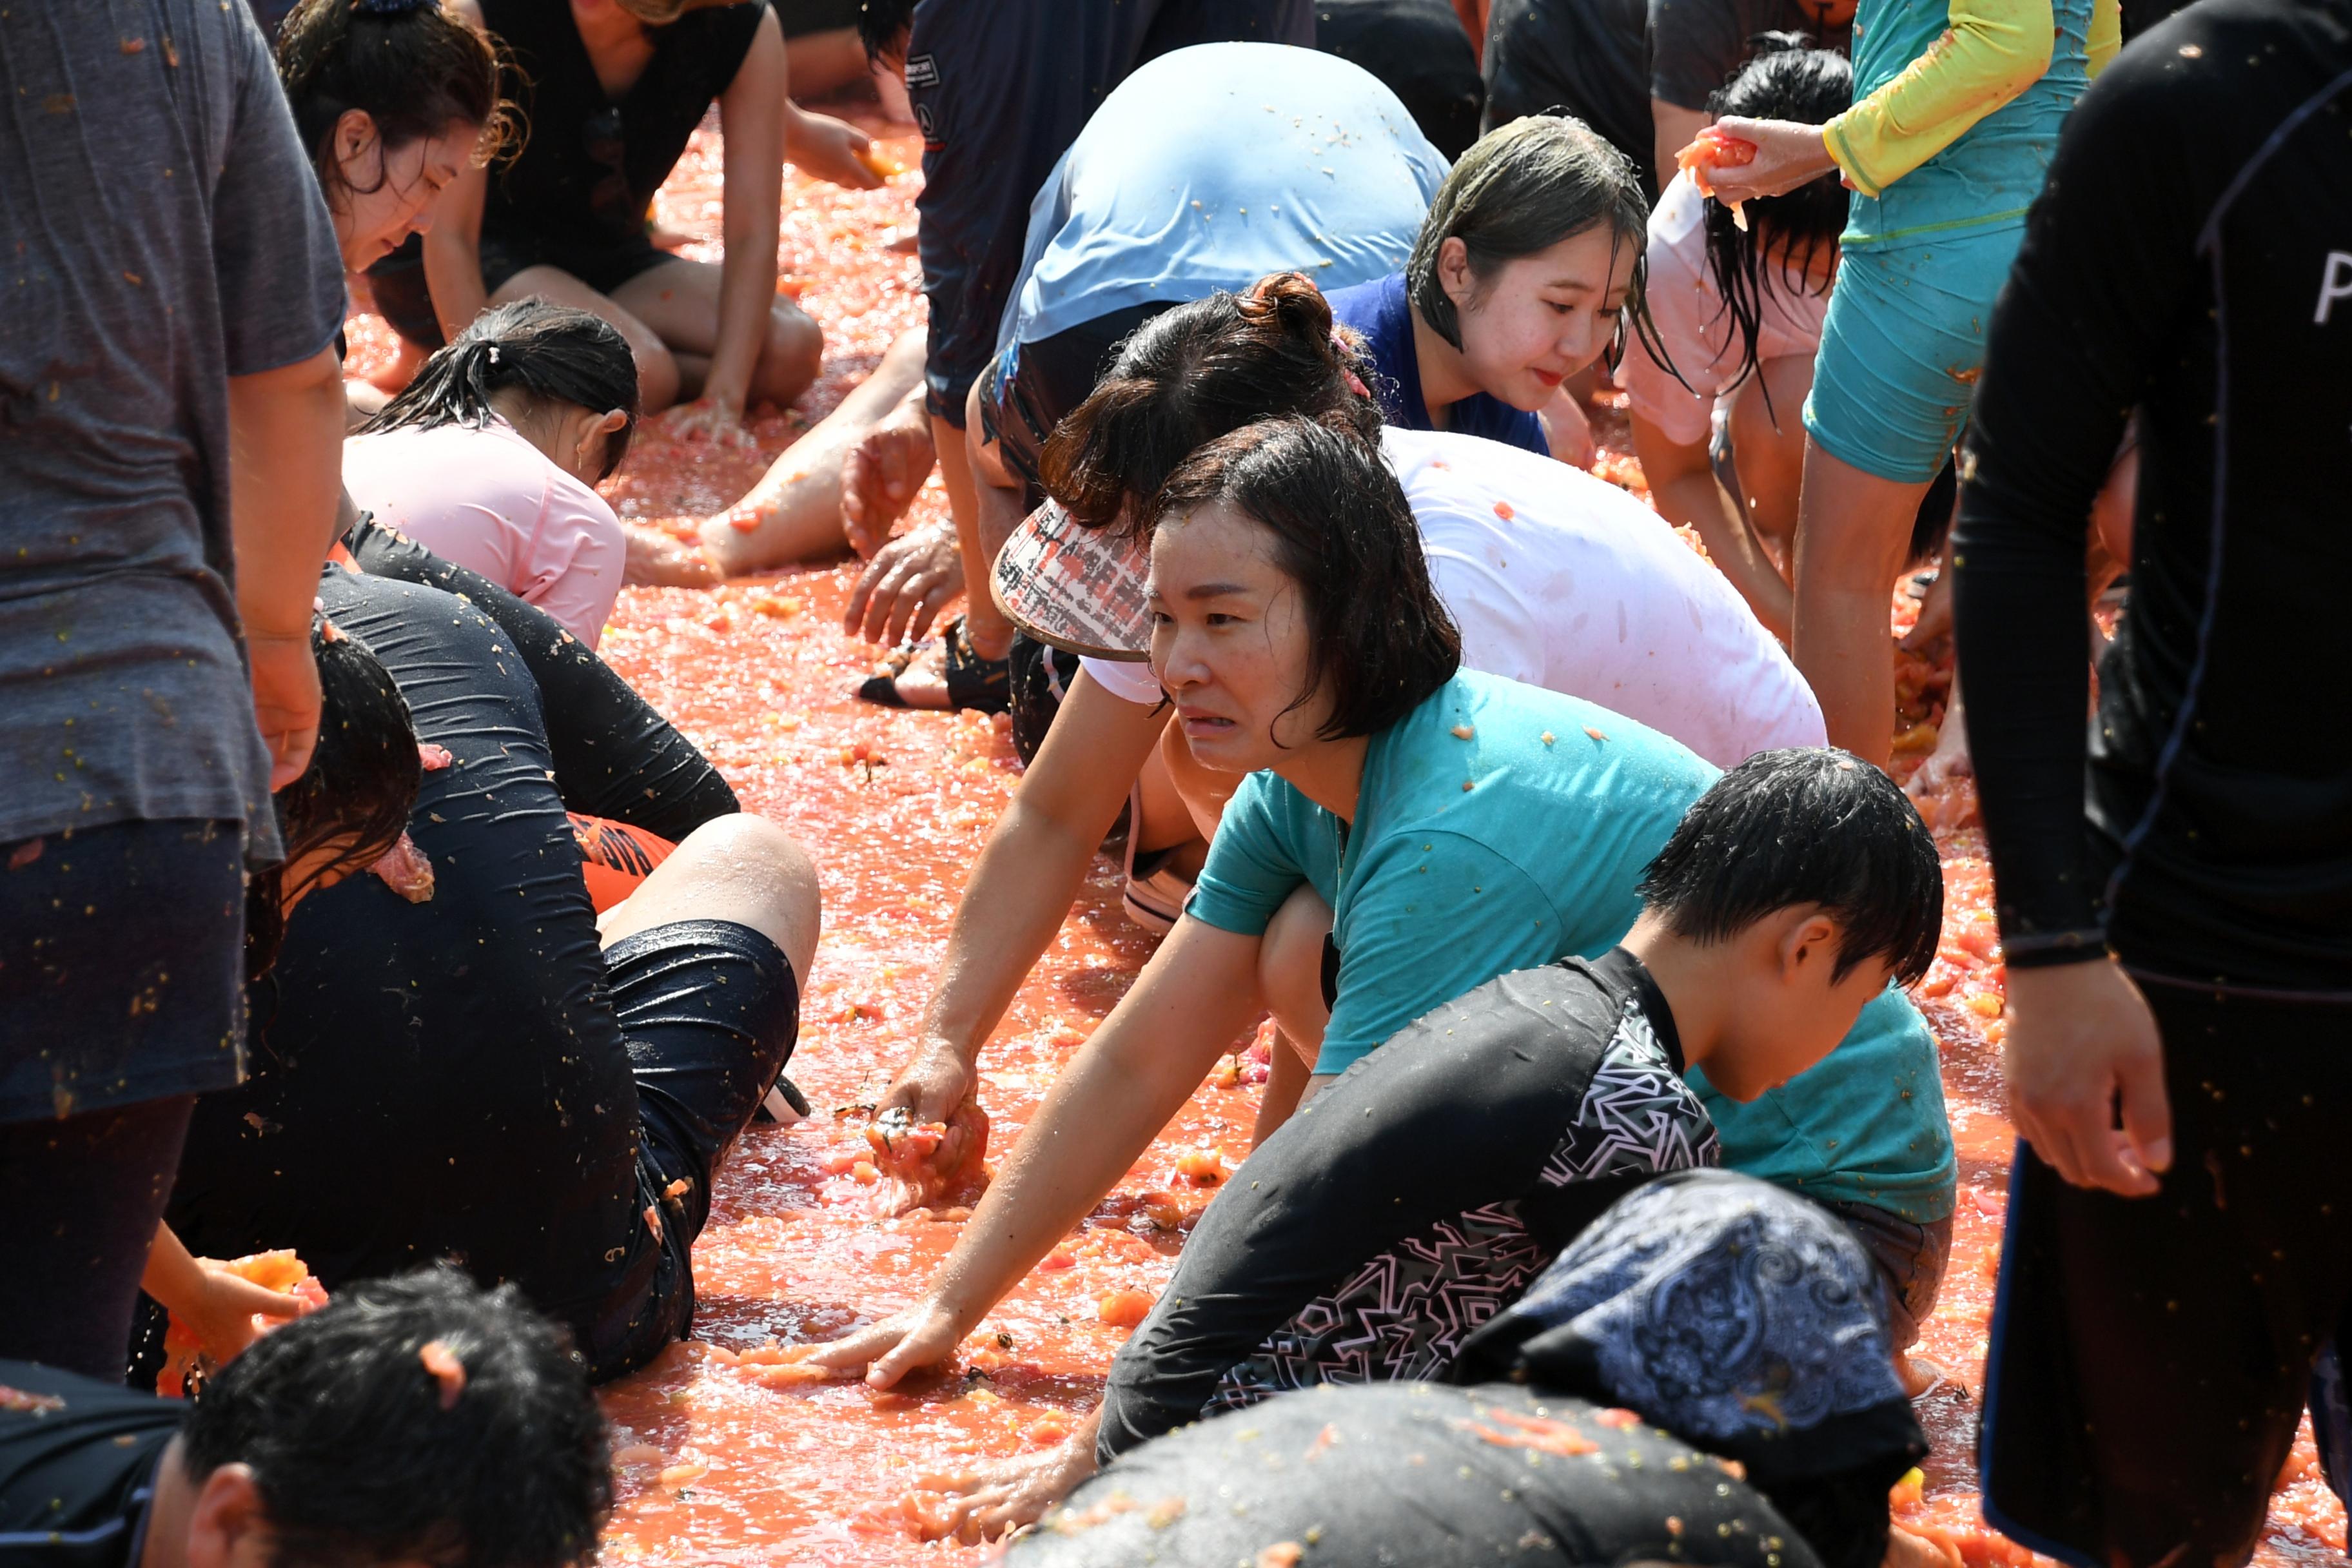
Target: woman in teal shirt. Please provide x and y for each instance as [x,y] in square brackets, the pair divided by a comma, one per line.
[1447,826]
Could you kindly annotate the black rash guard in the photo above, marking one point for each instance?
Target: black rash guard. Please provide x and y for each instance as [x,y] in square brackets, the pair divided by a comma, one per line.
[77,1464]
[2191,256]
[475,1076]
[1417,1197]
[614,755]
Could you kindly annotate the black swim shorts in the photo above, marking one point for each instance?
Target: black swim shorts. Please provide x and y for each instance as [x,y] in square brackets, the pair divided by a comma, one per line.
[121,966]
[710,1010]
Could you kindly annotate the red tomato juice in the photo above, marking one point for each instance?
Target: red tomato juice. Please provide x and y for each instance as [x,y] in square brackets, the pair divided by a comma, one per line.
[723,1459]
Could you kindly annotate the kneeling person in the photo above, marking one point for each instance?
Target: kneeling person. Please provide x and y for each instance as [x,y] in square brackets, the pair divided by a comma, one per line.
[1503,1122]
[495,1073]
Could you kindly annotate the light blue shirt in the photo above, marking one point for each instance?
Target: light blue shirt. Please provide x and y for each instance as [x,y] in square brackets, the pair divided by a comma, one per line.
[1435,889]
[1212,166]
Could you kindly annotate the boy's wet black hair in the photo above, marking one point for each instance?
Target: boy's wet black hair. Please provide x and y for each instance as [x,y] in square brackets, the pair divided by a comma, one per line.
[364,1456]
[1805,825]
[554,354]
[1787,80]
[356,794]
[1380,639]
[883,25]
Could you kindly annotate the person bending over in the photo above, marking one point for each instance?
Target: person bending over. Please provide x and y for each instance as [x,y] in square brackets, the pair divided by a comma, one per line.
[490,458]
[1493,1129]
[420,1419]
[1639,71]
[1739,317]
[347,812]
[1000,89]
[1182,184]
[495,1073]
[1523,554]
[394,98]
[1295,631]
[1722,1335]
[1961,101]
[1522,278]
[155,656]
[2174,879]
[1421,52]
[612,90]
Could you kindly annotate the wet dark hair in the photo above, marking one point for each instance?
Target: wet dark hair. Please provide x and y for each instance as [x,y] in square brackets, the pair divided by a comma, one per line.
[362,1456]
[1786,80]
[1195,373]
[360,787]
[883,25]
[1522,188]
[554,353]
[1381,640]
[411,65]
[1805,825]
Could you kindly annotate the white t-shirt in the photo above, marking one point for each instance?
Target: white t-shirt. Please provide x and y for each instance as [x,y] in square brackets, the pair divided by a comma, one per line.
[1562,580]
[1695,326]
[491,501]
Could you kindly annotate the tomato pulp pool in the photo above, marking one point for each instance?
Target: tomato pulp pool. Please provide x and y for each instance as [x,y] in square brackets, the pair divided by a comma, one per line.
[727,1451]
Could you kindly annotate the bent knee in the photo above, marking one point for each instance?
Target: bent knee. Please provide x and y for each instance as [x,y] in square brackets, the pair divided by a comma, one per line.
[754,873]
[1290,966]
[793,355]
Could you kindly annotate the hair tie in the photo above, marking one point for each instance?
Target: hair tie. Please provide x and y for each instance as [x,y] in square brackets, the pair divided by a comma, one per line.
[389,7]
[494,354]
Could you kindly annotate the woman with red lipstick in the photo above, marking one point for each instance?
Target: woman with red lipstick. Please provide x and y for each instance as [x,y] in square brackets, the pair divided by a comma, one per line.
[1523,275]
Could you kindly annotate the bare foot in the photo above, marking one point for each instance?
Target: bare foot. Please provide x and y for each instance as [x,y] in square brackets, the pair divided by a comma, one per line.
[1920,1375]
[658,561]
[1905,1550]
[980,1505]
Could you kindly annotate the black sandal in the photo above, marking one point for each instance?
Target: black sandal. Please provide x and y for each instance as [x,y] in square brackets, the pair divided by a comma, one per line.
[982,684]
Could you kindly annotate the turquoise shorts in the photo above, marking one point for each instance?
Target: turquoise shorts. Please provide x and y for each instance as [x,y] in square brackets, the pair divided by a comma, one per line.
[1901,348]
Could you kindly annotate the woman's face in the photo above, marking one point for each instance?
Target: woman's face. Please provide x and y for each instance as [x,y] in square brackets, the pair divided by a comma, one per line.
[1535,321]
[1230,640]
[386,196]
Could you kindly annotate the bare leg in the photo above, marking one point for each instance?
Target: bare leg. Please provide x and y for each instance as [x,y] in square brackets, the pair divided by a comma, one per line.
[820,63]
[1286,1084]
[743,868]
[1290,978]
[796,509]
[1769,448]
[657,376]
[679,301]
[1851,532]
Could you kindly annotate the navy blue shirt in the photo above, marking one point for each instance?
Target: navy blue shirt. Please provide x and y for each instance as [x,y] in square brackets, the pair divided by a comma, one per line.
[1383,315]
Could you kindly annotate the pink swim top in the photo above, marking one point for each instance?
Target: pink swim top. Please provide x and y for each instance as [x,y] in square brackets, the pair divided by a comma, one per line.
[491,501]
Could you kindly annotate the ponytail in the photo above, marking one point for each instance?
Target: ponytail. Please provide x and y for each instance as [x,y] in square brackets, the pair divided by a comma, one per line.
[1788,79]
[411,65]
[551,353]
[1201,370]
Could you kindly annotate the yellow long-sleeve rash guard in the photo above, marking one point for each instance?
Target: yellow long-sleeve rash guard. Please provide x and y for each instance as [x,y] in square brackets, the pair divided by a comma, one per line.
[1993,51]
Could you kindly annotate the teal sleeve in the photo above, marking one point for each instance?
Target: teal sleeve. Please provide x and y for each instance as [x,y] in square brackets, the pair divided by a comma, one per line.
[1252,864]
[1430,916]
[1865,1124]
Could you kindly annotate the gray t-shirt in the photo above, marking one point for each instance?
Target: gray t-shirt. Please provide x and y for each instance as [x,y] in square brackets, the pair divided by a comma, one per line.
[161,230]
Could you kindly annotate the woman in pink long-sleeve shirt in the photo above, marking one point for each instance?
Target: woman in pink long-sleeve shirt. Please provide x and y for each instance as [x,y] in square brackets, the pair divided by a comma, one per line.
[490,458]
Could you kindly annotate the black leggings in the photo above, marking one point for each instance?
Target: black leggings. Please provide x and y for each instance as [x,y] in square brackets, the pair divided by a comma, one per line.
[80,1201]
